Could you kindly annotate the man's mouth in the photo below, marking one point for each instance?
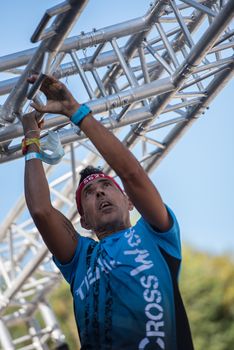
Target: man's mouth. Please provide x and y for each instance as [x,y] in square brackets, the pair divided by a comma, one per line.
[104,204]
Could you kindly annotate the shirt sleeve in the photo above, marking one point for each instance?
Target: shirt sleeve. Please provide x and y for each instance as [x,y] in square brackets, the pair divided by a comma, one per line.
[68,270]
[169,240]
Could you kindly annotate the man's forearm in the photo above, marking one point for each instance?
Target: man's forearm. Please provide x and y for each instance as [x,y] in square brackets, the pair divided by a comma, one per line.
[56,230]
[137,184]
[36,186]
[120,159]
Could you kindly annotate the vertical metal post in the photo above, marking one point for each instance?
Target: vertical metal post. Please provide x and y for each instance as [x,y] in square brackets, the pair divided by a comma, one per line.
[129,74]
[82,74]
[73,166]
[5,337]
[34,330]
[11,246]
[51,322]
[183,25]
[167,44]
[143,64]
[99,82]
[161,60]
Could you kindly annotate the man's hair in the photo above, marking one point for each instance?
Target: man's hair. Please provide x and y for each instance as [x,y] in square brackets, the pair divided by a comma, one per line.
[88,171]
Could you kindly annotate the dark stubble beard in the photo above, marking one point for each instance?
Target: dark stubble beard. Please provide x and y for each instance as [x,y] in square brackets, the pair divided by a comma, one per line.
[106,229]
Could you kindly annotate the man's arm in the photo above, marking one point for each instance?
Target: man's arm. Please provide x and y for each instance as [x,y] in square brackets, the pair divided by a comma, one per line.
[57,231]
[137,184]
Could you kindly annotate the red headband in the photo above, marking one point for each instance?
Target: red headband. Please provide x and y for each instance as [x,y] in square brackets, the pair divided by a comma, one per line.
[88,179]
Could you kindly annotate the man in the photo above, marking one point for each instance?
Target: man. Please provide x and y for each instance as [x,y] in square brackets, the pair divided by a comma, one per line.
[124,287]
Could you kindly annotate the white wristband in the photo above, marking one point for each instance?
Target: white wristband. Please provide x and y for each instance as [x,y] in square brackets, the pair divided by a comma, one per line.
[32,155]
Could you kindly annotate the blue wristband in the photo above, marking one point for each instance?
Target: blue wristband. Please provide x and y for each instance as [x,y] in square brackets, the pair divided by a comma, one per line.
[80,114]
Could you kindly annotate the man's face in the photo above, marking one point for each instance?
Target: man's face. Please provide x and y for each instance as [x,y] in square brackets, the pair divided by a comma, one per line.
[105,207]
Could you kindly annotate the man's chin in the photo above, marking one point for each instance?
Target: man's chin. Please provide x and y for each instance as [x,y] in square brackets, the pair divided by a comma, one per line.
[109,223]
[107,210]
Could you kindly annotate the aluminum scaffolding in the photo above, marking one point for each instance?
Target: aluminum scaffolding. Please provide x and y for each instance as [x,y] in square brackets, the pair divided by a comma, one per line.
[147,79]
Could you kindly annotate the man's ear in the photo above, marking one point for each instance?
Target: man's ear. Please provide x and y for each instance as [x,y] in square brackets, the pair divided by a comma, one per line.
[84,223]
[130,205]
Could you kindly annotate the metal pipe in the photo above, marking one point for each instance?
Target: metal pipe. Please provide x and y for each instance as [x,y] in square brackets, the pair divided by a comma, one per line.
[210,36]
[51,322]
[17,210]
[194,58]
[143,64]
[20,280]
[182,24]
[135,40]
[64,23]
[200,7]
[68,136]
[102,104]
[167,44]
[82,75]
[68,69]
[165,65]
[207,75]
[78,42]
[172,138]
[98,82]
[5,337]
[96,53]
[129,74]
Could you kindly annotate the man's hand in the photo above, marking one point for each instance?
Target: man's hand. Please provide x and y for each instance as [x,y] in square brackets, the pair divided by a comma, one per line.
[30,122]
[59,98]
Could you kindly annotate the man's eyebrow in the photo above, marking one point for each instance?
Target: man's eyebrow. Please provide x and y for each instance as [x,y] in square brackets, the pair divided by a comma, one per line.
[105,180]
[87,187]
[99,180]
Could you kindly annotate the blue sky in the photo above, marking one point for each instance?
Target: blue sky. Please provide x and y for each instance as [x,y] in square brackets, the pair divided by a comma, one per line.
[195,179]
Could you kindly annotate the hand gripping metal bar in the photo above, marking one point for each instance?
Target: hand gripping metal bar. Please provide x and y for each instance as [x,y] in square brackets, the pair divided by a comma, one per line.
[36,86]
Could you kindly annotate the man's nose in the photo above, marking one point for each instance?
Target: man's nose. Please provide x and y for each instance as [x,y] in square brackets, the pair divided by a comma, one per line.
[100,193]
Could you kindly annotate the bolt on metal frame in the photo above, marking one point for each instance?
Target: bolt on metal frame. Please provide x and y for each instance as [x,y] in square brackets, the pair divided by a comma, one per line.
[147,79]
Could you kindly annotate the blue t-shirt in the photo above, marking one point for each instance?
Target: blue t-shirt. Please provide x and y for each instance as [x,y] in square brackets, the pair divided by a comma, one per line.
[123,288]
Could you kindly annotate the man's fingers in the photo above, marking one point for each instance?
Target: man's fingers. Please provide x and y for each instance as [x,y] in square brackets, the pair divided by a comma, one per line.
[41,124]
[32,78]
[49,79]
[48,82]
[37,107]
[32,114]
[32,121]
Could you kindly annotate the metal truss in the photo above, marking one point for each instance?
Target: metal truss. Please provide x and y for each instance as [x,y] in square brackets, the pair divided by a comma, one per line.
[147,79]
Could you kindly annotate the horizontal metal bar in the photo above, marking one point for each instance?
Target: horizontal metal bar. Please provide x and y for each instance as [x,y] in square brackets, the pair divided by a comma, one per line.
[103,104]
[68,136]
[56,10]
[164,63]
[222,47]
[200,7]
[152,141]
[194,58]
[64,23]
[78,42]
[19,281]
[165,124]
[172,138]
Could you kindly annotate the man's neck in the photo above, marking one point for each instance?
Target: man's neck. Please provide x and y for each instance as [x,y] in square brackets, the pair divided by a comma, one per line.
[108,231]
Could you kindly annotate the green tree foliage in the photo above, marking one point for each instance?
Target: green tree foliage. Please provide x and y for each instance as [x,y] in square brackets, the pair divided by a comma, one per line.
[62,303]
[208,292]
[207,287]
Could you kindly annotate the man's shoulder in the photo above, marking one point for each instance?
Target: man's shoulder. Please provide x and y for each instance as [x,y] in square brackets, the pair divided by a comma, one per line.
[86,242]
